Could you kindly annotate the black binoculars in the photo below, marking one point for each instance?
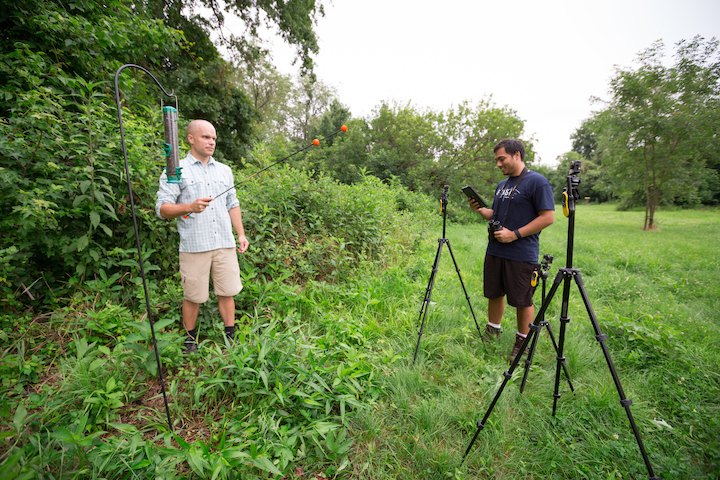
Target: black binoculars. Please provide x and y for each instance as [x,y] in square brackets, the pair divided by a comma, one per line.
[493,226]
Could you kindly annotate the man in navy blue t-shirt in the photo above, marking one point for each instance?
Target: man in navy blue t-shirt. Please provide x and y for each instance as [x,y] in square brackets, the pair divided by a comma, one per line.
[523,205]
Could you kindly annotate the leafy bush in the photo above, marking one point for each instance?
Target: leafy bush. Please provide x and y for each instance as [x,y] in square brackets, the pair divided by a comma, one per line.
[317,228]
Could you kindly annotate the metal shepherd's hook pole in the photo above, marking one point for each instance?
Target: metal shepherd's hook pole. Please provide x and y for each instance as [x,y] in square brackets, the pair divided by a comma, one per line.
[135,225]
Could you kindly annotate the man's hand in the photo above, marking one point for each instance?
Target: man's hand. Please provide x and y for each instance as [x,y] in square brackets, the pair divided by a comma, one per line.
[243,244]
[474,205]
[505,236]
[175,210]
[199,205]
[485,212]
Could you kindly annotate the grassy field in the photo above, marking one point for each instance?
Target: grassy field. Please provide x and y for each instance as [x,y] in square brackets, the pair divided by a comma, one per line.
[322,382]
[655,294]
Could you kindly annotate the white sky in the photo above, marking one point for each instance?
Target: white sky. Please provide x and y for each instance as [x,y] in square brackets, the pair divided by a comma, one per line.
[542,58]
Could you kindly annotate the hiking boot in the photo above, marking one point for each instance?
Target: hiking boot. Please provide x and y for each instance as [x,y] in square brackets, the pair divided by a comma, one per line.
[190,348]
[491,333]
[516,348]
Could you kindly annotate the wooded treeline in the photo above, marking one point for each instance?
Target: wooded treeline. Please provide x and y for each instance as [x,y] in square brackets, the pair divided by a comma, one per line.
[64,201]
[656,140]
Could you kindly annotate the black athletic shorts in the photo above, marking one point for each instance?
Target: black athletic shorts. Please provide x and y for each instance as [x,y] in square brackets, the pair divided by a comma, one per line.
[509,278]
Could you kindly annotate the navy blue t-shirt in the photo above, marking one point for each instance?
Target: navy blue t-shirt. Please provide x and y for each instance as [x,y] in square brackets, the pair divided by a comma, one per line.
[532,195]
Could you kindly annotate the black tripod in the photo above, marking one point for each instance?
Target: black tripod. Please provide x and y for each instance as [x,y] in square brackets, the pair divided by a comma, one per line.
[431,282]
[542,273]
[570,194]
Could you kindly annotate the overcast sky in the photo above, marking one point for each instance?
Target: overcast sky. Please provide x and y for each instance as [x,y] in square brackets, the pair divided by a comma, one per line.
[542,58]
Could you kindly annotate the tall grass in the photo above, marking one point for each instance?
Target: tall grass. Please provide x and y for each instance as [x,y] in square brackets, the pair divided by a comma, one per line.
[322,382]
[656,296]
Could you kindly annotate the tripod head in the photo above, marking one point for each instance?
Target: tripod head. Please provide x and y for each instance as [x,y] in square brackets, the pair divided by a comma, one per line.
[443,206]
[570,192]
[542,272]
[545,265]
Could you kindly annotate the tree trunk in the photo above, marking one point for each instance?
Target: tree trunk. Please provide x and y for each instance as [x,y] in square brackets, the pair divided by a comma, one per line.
[648,207]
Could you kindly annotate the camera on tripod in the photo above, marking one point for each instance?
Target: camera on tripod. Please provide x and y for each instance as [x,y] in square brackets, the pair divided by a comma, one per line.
[572,178]
[546,261]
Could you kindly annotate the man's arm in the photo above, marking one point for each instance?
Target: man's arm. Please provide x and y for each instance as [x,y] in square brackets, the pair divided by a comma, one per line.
[544,219]
[236,219]
[486,213]
[174,210]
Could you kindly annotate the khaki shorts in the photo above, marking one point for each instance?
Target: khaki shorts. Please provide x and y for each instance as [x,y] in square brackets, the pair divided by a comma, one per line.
[196,268]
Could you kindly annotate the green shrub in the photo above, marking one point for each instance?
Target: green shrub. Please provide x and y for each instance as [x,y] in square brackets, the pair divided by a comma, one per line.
[318,228]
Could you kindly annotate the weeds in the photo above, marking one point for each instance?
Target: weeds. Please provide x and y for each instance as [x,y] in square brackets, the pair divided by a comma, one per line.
[321,381]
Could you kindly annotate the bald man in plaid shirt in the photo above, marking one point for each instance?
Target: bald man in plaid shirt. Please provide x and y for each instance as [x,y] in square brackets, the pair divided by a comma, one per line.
[207,244]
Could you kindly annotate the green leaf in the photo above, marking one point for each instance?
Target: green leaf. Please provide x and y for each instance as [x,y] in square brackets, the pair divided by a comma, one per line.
[160,324]
[264,463]
[79,199]
[94,219]
[5,468]
[100,197]
[63,434]
[97,363]
[82,243]
[19,417]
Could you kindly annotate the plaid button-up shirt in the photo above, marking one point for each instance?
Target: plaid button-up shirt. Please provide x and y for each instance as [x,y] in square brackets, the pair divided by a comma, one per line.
[212,228]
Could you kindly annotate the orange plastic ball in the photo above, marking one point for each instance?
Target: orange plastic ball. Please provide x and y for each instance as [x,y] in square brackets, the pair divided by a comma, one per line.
[316,142]
[344,128]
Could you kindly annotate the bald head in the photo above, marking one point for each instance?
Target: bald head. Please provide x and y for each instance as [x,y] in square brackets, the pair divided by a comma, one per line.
[201,137]
[193,126]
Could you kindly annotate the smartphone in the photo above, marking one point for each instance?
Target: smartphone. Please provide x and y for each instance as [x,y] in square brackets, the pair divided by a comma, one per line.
[471,193]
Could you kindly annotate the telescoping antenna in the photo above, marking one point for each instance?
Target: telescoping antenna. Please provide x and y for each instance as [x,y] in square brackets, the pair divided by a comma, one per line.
[169,123]
[314,143]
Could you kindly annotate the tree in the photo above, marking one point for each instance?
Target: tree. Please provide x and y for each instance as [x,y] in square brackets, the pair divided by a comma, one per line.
[64,197]
[584,140]
[422,150]
[469,134]
[293,20]
[654,132]
[269,92]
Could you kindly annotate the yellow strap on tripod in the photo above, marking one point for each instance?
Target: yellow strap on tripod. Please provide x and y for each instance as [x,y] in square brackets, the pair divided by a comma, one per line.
[566,207]
[534,280]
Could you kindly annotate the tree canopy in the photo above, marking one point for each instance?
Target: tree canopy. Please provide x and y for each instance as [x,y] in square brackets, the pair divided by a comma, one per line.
[656,139]
[64,198]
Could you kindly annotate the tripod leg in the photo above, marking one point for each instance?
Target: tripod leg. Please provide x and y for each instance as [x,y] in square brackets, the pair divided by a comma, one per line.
[564,320]
[508,373]
[625,402]
[555,345]
[531,351]
[467,297]
[428,295]
[508,376]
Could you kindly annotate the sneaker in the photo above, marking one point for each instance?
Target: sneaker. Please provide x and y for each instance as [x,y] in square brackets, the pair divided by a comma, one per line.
[190,348]
[491,333]
[516,348]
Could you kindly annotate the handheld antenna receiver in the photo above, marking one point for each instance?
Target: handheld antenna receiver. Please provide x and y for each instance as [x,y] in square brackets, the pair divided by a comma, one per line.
[170,121]
[315,142]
